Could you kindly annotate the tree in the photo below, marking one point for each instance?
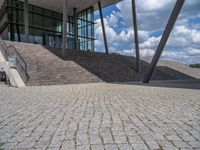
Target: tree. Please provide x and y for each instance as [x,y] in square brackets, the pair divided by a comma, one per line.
[195,65]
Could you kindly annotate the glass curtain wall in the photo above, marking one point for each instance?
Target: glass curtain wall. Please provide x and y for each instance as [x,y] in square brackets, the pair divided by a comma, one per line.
[86,29]
[41,23]
[45,26]
[4,21]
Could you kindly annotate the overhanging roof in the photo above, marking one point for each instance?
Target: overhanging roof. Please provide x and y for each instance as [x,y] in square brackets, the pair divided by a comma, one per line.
[57,5]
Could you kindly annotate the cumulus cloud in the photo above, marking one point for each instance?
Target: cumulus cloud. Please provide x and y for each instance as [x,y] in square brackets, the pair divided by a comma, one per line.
[193,52]
[183,44]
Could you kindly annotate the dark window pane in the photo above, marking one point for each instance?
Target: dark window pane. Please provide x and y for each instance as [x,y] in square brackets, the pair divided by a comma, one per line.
[48,23]
[30,8]
[48,13]
[30,19]
[38,36]
[37,20]
[57,15]
[37,10]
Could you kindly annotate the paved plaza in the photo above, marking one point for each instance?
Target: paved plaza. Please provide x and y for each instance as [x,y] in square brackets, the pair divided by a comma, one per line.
[99,116]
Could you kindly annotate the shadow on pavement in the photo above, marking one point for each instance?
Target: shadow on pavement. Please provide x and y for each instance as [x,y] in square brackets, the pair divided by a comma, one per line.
[185,84]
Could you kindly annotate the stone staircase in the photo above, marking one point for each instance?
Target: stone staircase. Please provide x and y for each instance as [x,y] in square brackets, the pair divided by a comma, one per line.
[45,66]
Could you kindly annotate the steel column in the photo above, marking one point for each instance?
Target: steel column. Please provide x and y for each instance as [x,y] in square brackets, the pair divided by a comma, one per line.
[174,15]
[17,23]
[103,27]
[12,34]
[26,20]
[75,29]
[137,50]
[64,29]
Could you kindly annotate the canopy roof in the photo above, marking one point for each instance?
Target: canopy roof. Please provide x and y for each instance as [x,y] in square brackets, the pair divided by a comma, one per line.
[57,5]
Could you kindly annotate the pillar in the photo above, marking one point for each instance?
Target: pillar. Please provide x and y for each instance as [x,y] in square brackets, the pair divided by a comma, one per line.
[64,29]
[165,36]
[26,20]
[137,52]
[75,30]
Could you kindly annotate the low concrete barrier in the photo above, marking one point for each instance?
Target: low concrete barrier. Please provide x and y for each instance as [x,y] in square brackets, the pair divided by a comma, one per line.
[11,73]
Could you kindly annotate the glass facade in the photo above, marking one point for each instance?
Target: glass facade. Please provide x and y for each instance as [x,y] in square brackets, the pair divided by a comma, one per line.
[86,29]
[45,26]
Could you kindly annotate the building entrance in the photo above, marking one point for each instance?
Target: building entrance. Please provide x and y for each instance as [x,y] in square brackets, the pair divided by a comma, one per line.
[52,40]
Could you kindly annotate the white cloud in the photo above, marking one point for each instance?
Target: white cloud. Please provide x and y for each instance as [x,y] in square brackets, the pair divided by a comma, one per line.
[183,37]
[193,52]
[112,36]
[183,44]
[113,20]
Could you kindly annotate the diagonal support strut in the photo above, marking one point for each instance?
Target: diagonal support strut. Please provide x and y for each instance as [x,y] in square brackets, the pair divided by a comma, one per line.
[103,27]
[137,51]
[172,20]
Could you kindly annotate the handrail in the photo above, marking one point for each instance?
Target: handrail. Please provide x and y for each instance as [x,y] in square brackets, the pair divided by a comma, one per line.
[20,62]
[21,66]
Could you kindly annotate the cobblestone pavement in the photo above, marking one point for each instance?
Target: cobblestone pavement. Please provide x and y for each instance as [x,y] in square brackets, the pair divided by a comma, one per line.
[2,84]
[99,116]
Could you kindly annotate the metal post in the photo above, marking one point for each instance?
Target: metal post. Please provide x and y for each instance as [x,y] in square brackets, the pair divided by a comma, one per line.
[64,29]
[103,27]
[137,51]
[75,29]
[26,20]
[163,41]
[17,23]
[12,34]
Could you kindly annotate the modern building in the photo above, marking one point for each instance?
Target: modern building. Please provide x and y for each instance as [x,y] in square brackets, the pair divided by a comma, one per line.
[68,24]
[44,20]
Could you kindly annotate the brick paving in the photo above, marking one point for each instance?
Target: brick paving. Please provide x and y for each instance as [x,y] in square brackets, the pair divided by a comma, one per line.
[99,116]
[2,84]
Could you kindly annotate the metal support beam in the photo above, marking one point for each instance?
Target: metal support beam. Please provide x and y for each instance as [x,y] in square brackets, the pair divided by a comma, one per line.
[64,29]
[12,34]
[137,50]
[75,29]
[174,15]
[17,23]
[26,20]
[103,27]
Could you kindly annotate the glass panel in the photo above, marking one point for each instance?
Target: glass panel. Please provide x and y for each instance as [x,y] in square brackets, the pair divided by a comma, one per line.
[57,26]
[30,8]
[38,36]
[57,15]
[48,13]
[85,29]
[43,21]
[31,32]
[37,20]
[38,10]
[48,23]
[30,19]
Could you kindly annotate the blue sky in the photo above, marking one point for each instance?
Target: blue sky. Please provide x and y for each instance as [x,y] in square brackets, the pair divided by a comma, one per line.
[184,42]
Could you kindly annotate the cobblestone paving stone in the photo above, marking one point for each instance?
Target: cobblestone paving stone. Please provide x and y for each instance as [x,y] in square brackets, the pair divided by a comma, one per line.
[99,117]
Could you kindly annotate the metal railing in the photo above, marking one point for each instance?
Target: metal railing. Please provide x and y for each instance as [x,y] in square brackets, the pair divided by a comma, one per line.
[10,52]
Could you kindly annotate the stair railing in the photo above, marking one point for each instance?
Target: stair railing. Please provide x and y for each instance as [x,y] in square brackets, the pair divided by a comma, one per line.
[21,65]
[11,52]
